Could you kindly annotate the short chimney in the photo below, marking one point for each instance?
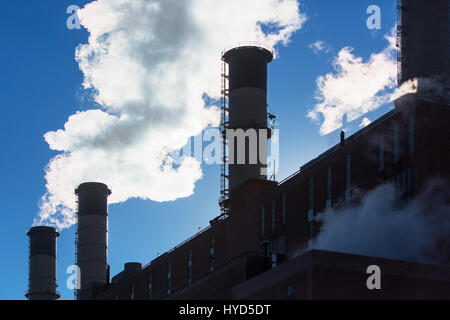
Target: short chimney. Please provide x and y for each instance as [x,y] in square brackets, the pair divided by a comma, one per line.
[42,264]
[342,137]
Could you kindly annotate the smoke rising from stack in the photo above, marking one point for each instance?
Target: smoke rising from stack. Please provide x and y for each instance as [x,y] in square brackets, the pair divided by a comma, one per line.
[380,226]
[149,64]
[434,88]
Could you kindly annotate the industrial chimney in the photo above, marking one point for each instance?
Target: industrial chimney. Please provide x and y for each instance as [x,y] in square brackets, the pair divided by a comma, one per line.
[247,109]
[424,39]
[92,238]
[42,264]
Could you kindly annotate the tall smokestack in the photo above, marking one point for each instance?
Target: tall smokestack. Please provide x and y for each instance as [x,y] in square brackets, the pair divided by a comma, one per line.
[92,237]
[247,96]
[42,264]
[423,31]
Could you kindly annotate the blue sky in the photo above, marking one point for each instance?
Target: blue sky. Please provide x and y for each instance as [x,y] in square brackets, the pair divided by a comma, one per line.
[41,87]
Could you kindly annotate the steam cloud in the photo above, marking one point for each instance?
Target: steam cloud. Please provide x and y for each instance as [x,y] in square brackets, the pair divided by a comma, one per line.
[365,122]
[318,47]
[379,226]
[149,64]
[357,87]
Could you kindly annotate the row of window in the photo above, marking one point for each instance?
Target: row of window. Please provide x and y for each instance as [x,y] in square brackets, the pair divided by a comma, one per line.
[288,290]
[348,189]
[169,273]
[403,181]
[310,200]
[212,257]
[396,145]
[273,214]
[448,37]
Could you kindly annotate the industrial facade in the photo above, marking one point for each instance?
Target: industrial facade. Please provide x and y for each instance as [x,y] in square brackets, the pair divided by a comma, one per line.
[260,245]
[270,222]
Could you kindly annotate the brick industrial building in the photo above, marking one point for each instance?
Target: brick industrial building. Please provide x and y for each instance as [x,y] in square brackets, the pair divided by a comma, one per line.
[260,246]
[233,257]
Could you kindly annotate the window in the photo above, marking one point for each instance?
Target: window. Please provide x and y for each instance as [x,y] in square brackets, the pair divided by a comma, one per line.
[266,247]
[411,179]
[311,209]
[169,279]
[288,291]
[283,207]
[310,216]
[411,136]
[273,214]
[279,245]
[310,224]
[348,176]
[404,180]
[381,155]
[212,255]
[311,193]
[189,266]
[401,180]
[274,260]
[150,286]
[132,292]
[396,145]
[397,182]
[329,187]
[263,217]
[448,38]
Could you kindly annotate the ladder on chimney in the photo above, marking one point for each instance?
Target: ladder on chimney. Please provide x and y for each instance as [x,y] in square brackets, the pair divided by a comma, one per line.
[75,291]
[224,200]
[400,40]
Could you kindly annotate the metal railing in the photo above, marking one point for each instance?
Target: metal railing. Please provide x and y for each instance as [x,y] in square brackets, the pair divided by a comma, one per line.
[400,42]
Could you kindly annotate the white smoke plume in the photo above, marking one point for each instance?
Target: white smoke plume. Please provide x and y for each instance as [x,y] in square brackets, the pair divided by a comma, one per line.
[318,47]
[381,226]
[150,62]
[433,88]
[357,87]
[365,122]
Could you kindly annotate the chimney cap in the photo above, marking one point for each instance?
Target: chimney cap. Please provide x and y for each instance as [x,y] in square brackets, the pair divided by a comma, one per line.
[249,49]
[92,185]
[42,229]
